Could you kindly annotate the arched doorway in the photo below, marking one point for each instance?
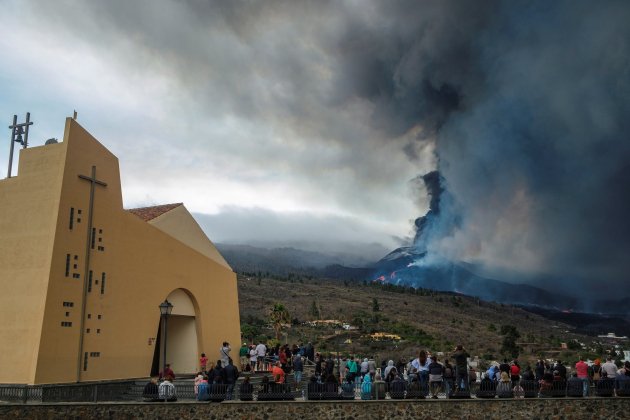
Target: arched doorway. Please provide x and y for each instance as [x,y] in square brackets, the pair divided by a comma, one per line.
[181,339]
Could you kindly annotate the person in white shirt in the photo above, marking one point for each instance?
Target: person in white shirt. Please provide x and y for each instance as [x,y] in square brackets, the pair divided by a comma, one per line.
[610,368]
[253,356]
[224,353]
[166,390]
[261,351]
[365,366]
[422,366]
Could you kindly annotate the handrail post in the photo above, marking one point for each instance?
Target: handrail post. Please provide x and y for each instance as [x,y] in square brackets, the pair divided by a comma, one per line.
[25,394]
[95,393]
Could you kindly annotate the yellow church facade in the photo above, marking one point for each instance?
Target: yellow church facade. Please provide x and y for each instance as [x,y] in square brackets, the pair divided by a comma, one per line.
[81,278]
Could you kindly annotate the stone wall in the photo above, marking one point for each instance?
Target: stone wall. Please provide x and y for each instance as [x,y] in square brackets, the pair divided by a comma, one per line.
[563,408]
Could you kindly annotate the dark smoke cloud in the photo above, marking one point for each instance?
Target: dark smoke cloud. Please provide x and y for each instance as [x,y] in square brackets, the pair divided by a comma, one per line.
[548,137]
[527,104]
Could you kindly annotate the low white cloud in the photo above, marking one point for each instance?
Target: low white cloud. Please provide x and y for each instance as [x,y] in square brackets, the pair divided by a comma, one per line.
[325,233]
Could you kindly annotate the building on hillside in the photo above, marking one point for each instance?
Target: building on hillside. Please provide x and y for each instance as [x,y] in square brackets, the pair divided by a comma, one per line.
[612,338]
[81,278]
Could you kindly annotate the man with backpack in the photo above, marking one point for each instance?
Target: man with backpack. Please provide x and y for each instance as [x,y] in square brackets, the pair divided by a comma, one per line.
[595,371]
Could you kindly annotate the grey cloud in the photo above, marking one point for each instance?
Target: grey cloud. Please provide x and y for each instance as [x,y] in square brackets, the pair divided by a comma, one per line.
[525,102]
[274,66]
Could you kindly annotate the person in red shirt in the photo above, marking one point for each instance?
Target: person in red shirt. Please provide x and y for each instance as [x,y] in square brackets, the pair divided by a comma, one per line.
[582,372]
[278,373]
[203,362]
[167,372]
[515,372]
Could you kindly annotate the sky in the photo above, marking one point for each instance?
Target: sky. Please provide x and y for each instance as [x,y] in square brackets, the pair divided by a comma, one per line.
[313,122]
[234,112]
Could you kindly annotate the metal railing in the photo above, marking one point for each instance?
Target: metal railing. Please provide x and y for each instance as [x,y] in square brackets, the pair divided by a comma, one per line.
[256,390]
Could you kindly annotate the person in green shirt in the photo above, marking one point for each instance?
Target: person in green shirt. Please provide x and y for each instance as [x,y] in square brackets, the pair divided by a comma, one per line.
[243,353]
[352,367]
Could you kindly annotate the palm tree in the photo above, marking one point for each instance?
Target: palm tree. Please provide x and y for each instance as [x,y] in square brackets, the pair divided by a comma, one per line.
[278,314]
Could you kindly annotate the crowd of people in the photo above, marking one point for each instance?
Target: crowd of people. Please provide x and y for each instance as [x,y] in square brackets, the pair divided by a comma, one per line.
[545,379]
[424,376]
[419,377]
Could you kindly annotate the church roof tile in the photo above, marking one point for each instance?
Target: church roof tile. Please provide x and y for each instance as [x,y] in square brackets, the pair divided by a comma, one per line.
[150,213]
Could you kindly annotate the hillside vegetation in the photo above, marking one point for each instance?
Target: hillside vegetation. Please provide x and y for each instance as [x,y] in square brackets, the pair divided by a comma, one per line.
[421,318]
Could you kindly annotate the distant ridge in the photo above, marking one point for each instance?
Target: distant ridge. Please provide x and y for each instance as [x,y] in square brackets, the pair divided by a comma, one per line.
[281,260]
[404,267]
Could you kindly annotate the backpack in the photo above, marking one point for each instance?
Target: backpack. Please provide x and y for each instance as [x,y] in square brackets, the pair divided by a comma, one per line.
[596,372]
[203,392]
[448,372]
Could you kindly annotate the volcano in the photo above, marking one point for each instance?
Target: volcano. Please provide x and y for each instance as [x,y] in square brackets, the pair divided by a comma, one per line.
[413,266]
[406,266]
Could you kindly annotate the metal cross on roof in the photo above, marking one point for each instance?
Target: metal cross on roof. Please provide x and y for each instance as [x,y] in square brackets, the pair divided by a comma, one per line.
[19,134]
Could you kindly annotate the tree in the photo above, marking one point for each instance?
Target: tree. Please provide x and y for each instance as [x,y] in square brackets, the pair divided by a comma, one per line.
[278,315]
[510,335]
[574,345]
[315,310]
[375,307]
[250,331]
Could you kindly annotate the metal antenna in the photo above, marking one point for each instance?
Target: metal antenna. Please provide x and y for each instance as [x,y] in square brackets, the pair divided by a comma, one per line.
[17,131]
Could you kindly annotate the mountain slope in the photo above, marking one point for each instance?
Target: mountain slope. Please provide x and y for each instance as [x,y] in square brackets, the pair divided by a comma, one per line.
[431,320]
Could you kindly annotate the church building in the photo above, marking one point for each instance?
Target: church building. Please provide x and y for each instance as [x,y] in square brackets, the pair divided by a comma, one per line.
[81,278]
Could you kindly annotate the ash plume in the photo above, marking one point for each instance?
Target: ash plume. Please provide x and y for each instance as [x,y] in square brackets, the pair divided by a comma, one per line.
[528,105]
